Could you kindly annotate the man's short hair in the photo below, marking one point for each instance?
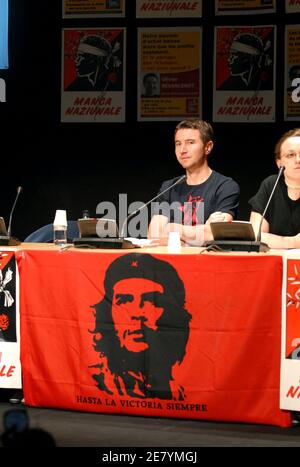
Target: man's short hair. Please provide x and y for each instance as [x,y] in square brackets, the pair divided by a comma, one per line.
[205,129]
[149,75]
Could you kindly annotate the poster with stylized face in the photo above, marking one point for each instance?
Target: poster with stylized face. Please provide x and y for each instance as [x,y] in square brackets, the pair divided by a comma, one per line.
[244,73]
[93,75]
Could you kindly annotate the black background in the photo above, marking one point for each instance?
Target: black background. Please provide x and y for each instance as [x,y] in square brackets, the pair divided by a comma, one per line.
[75,166]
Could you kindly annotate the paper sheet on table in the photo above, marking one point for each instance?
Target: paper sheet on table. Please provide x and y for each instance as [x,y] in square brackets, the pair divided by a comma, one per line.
[143,242]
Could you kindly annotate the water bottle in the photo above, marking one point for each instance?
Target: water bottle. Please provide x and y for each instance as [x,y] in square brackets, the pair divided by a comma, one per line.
[85,214]
[60,226]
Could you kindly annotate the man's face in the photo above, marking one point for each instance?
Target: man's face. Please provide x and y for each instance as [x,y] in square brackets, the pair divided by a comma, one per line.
[191,152]
[150,85]
[238,62]
[85,63]
[136,308]
[290,158]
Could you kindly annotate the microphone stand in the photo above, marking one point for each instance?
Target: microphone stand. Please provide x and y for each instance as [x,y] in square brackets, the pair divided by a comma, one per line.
[258,238]
[120,242]
[19,190]
[132,214]
[7,240]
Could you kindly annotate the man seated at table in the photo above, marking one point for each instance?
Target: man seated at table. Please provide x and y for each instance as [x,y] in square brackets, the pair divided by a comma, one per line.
[205,195]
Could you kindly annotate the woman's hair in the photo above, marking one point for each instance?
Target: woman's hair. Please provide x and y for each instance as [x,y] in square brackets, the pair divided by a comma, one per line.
[284,137]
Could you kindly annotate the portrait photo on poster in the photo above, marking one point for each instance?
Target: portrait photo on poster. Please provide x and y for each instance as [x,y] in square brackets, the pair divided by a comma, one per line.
[151,85]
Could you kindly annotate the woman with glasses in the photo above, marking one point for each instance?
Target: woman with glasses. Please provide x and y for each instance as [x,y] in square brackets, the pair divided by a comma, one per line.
[281,224]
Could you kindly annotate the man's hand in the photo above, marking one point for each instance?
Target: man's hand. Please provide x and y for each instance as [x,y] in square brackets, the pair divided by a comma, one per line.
[218,216]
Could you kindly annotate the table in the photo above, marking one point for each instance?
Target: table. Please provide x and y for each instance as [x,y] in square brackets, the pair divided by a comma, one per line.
[228,371]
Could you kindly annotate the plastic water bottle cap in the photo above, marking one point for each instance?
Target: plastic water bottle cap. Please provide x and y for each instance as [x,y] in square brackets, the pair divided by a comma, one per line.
[60,218]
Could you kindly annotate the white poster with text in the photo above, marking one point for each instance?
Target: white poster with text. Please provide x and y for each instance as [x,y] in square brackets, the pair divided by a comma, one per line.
[169,73]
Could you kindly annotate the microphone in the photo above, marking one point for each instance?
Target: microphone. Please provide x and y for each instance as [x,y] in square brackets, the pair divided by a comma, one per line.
[120,242]
[132,214]
[6,239]
[19,190]
[281,169]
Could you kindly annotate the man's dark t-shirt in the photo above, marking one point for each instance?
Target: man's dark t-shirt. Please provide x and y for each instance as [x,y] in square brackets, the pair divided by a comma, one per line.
[217,193]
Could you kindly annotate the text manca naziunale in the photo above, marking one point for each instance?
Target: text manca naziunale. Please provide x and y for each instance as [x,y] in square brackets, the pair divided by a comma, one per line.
[245,106]
[93,106]
[169,6]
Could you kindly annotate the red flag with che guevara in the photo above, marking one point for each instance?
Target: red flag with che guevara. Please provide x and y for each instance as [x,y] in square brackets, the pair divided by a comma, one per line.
[185,336]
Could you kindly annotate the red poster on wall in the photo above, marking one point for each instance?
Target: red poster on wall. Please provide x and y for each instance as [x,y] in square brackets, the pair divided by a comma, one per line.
[93,75]
[290,354]
[10,366]
[244,74]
